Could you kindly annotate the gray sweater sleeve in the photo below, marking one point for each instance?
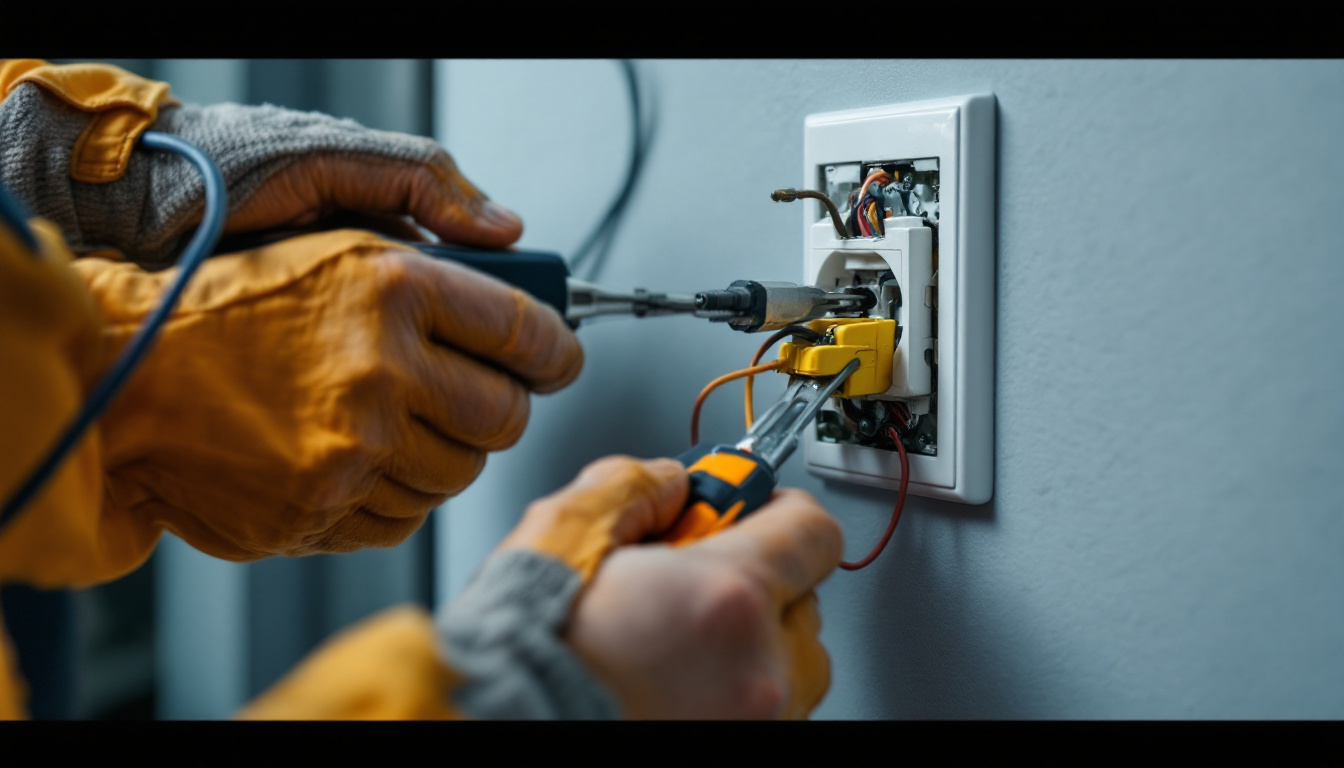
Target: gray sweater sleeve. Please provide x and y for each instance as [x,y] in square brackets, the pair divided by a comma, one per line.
[503,634]
[150,211]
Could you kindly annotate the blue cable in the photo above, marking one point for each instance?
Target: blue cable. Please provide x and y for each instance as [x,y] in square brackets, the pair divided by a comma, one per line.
[201,245]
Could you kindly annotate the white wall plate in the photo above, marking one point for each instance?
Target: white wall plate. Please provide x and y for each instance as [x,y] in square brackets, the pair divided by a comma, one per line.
[949,146]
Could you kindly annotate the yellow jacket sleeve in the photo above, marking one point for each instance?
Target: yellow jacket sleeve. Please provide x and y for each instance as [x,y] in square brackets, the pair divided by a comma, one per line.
[52,351]
[54,347]
[390,667]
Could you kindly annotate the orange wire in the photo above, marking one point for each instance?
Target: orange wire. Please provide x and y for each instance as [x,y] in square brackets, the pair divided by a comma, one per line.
[750,407]
[873,177]
[751,377]
[715,384]
[884,179]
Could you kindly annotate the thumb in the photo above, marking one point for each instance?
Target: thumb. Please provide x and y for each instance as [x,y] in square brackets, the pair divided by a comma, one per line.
[614,501]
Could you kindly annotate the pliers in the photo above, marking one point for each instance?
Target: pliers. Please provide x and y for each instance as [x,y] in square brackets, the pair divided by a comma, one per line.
[729,482]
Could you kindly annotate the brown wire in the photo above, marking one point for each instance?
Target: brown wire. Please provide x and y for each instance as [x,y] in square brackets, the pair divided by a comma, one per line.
[788,195]
[895,514]
[715,384]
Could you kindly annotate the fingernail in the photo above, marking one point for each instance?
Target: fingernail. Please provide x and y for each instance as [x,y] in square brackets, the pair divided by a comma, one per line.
[498,216]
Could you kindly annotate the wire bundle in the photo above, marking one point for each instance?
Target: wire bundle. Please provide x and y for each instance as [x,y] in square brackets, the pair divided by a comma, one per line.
[868,209]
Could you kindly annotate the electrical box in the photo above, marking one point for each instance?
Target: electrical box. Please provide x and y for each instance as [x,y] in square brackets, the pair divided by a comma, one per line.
[926,250]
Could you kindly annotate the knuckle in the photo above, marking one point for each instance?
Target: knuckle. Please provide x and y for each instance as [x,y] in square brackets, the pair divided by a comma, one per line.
[395,276]
[373,376]
[801,498]
[736,610]
[514,408]
[568,365]
[439,165]
[551,349]
[630,475]
[466,473]
[633,473]
[343,459]
[618,468]
[545,511]
[365,403]
[813,521]
[820,525]
[404,282]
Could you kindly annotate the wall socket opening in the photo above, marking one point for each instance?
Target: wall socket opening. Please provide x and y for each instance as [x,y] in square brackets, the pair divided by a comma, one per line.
[911,196]
[928,257]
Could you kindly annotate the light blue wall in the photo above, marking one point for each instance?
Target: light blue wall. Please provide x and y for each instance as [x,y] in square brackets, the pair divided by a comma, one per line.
[1167,534]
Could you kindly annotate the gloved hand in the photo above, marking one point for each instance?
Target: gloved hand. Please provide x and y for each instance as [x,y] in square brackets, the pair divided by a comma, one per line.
[319,394]
[722,628]
[71,153]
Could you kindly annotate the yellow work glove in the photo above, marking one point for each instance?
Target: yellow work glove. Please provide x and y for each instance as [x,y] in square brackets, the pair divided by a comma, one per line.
[726,627]
[572,617]
[319,394]
[52,354]
[72,154]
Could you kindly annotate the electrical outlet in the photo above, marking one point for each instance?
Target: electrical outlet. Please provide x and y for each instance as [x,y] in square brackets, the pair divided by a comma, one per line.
[931,264]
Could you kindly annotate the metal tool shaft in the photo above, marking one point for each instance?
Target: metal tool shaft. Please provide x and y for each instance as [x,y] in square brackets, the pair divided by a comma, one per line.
[774,436]
[588,300]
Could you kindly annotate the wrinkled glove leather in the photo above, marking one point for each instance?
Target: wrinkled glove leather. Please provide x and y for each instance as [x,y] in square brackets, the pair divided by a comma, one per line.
[52,353]
[319,394]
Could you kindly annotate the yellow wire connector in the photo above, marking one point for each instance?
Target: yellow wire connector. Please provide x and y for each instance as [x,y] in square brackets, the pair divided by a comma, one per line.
[871,341]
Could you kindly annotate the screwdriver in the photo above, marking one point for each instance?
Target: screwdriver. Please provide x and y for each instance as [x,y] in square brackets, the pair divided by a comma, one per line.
[545,276]
[729,482]
[745,305]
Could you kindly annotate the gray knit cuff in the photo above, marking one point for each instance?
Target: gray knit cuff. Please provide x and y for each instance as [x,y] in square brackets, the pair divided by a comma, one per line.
[149,212]
[503,634]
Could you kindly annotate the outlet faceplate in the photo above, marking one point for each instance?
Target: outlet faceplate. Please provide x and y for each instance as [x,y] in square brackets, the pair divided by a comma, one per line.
[945,150]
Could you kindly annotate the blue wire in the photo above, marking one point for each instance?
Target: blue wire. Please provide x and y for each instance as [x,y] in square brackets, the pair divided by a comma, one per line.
[201,245]
[598,242]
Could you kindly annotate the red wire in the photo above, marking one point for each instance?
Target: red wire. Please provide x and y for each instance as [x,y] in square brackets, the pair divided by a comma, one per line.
[895,514]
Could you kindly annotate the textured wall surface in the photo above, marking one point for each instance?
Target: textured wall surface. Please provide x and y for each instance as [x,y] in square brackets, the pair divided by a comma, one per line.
[1166,538]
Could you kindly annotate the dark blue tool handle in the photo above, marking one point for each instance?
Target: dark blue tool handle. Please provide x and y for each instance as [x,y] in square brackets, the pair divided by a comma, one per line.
[541,274]
[721,494]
